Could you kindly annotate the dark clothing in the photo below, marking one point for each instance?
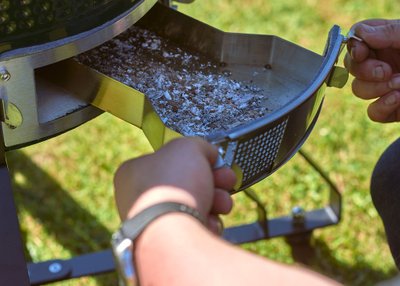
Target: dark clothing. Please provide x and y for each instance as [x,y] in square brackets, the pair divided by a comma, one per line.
[385,192]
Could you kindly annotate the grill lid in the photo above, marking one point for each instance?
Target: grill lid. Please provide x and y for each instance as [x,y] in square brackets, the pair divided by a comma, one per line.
[31,22]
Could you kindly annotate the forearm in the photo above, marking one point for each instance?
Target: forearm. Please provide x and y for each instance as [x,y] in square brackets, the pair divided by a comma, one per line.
[178,250]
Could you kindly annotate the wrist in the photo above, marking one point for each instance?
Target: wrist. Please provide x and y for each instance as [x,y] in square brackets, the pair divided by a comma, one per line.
[128,236]
[162,194]
[166,237]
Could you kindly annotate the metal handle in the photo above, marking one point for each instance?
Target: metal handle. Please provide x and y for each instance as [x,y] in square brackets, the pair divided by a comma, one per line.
[335,44]
[338,78]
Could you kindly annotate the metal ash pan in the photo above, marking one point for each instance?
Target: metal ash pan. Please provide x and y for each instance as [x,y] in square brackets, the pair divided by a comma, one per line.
[257,97]
[192,94]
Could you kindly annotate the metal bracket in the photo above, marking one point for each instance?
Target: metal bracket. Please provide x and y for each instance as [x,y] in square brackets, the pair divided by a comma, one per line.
[13,269]
[78,266]
[298,222]
[262,219]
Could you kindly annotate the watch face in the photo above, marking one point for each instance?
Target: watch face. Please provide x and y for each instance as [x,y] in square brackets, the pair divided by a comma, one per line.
[123,256]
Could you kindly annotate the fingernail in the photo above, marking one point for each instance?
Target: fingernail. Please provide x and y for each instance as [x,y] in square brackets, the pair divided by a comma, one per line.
[391,99]
[353,52]
[378,72]
[394,83]
[367,28]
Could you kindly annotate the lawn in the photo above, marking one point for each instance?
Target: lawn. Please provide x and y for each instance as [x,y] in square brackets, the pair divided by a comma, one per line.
[63,187]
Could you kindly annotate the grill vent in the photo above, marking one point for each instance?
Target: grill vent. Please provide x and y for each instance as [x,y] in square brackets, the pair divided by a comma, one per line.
[255,156]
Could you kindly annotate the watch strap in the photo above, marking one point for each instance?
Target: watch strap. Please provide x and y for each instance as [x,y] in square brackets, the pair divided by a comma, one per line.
[134,226]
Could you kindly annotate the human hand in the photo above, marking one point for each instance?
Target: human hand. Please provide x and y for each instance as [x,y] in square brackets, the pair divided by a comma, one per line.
[181,171]
[375,64]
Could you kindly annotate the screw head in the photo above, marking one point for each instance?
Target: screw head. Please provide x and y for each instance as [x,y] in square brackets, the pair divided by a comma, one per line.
[55,267]
[4,74]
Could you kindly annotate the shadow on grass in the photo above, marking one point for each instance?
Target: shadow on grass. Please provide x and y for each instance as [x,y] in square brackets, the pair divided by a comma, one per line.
[59,214]
[316,254]
[80,232]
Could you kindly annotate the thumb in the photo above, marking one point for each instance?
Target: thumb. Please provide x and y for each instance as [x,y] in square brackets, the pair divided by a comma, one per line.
[386,35]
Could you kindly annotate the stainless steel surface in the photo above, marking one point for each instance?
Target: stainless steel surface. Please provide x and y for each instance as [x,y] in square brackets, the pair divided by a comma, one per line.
[262,146]
[122,248]
[107,94]
[60,111]
[294,75]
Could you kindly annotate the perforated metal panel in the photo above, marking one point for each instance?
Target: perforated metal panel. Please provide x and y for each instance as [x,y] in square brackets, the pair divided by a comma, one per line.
[29,22]
[256,155]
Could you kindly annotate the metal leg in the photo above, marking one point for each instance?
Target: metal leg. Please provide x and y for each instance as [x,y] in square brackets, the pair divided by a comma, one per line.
[335,198]
[13,269]
[262,218]
[78,266]
[299,224]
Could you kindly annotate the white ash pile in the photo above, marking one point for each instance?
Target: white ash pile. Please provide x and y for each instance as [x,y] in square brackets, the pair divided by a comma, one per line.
[190,94]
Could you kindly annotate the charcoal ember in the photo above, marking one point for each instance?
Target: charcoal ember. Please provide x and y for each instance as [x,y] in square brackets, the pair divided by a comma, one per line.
[191,94]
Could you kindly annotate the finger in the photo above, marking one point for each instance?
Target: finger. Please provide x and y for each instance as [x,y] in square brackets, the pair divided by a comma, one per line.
[385,35]
[224,178]
[386,108]
[215,224]
[194,145]
[123,177]
[358,51]
[372,22]
[368,90]
[222,202]
[369,70]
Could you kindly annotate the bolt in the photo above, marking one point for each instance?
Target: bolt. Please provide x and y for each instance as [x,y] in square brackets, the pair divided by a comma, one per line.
[4,74]
[298,215]
[55,267]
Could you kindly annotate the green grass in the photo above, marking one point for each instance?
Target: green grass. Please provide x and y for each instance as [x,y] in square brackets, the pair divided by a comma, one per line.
[63,187]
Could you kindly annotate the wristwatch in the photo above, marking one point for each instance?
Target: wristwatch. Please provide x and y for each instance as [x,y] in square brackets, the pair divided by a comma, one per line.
[123,240]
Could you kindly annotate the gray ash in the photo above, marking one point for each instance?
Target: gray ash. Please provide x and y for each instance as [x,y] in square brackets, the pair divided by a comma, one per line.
[189,92]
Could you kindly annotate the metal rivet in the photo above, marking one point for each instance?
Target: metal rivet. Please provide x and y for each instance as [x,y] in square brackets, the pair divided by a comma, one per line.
[4,74]
[55,267]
